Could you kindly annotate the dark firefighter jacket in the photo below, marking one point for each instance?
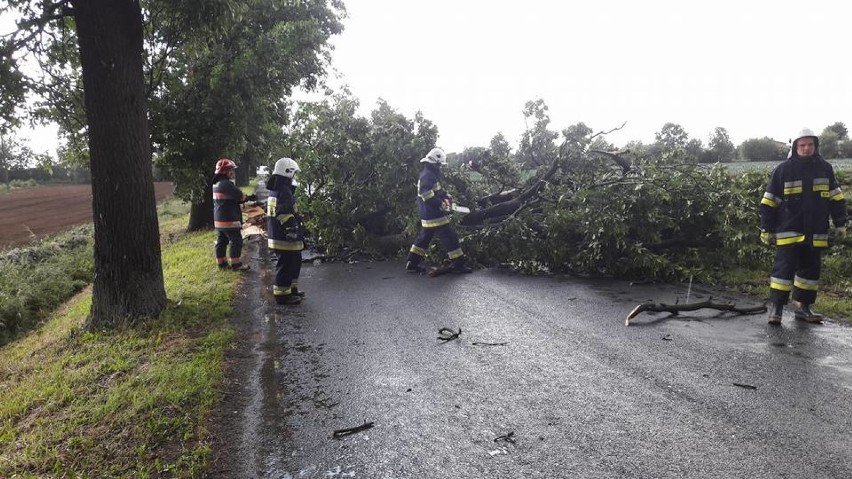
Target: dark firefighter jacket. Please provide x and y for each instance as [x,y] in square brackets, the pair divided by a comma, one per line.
[226,204]
[284,225]
[430,197]
[801,195]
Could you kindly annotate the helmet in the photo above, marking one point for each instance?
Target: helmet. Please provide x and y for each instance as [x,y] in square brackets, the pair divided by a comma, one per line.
[224,165]
[804,133]
[436,156]
[286,167]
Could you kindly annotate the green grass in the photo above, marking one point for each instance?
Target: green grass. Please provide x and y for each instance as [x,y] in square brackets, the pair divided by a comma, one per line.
[130,403]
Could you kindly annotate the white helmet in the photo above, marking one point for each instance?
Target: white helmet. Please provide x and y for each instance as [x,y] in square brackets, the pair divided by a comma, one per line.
[437,156]
[803,133]
[286,167]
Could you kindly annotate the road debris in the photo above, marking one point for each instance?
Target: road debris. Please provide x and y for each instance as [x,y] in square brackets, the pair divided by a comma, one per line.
[447,334]
[745,386]
[341,433]
[479,343]
[509,437]
[674,309]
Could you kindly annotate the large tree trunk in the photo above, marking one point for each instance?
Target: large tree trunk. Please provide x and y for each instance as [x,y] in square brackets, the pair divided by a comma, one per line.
[128,283]
[201,209]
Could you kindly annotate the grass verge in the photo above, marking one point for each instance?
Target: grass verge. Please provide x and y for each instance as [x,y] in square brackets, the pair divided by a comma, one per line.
[129,403]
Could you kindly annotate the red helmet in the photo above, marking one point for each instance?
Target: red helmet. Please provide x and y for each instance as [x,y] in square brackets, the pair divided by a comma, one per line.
[224,165]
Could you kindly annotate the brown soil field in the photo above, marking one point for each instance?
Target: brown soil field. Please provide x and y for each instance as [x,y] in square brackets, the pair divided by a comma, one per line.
[32,213]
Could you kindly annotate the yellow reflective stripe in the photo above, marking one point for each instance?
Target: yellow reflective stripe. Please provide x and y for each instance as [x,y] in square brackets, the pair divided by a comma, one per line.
[284,217]
[271,204]
[836,194]
[279,291]
[444,220]
[820,243]
[792,191]
[428,195]
[820,187]
[281,245]
[417,250]
[780,284]
[787,238]
[456,253]
[770,200]
[806,284]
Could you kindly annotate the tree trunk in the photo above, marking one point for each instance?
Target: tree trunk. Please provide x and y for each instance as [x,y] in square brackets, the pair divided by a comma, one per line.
[128,284]
[201,215]
[201,209]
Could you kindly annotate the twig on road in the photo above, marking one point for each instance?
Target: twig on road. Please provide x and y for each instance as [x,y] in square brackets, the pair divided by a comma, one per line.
[341,433]
[447,334]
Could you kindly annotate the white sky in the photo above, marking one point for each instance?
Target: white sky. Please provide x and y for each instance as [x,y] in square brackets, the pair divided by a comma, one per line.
[756,67]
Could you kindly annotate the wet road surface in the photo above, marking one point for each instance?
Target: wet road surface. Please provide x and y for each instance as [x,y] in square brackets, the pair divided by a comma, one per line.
[545,381]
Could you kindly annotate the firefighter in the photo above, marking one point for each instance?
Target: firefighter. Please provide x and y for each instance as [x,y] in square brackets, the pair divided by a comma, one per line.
[433,203]
[801,196]
[227,215]
[284,226]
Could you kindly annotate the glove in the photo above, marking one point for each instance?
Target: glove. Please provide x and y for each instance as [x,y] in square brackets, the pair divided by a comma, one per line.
[767,238]
[291,236]
[840,233]
[251,198]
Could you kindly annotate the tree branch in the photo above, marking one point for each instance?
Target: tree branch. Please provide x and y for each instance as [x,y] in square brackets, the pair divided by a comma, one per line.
[674,309]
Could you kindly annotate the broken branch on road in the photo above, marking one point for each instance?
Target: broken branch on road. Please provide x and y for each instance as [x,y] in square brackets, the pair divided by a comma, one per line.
[341,433]
[674,309]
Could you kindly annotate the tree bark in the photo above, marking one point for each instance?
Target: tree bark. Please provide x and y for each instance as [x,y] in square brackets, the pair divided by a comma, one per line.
[128,284]
[201,214]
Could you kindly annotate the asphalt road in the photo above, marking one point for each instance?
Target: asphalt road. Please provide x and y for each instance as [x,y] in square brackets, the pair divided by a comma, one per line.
[572,392]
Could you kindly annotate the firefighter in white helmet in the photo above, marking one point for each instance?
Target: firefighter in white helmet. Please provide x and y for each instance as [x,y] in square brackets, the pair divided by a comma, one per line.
[284,227]
[227,216]
[801,196]
[433,203]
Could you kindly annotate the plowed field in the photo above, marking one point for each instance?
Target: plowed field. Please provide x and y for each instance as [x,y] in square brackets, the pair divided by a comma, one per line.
[32,213]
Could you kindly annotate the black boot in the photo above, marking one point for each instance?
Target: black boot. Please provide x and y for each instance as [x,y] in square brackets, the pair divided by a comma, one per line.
[460,268]
[803,312]
[776,310]
[414,267]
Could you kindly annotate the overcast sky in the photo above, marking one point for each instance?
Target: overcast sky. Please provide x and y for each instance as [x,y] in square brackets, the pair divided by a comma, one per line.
[757,68]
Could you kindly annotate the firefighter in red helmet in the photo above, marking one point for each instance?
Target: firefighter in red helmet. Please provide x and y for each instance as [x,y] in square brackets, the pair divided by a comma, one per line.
[227,216]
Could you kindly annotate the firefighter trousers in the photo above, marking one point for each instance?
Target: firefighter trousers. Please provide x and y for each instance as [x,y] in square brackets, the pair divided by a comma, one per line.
[796,270]
[446,235]
[223,238]
[288,265]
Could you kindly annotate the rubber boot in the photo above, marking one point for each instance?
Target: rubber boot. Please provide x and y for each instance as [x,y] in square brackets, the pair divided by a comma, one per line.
[803,312]
[240,267]
[776,310]
[288,299]
[460,268]
[414,267]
